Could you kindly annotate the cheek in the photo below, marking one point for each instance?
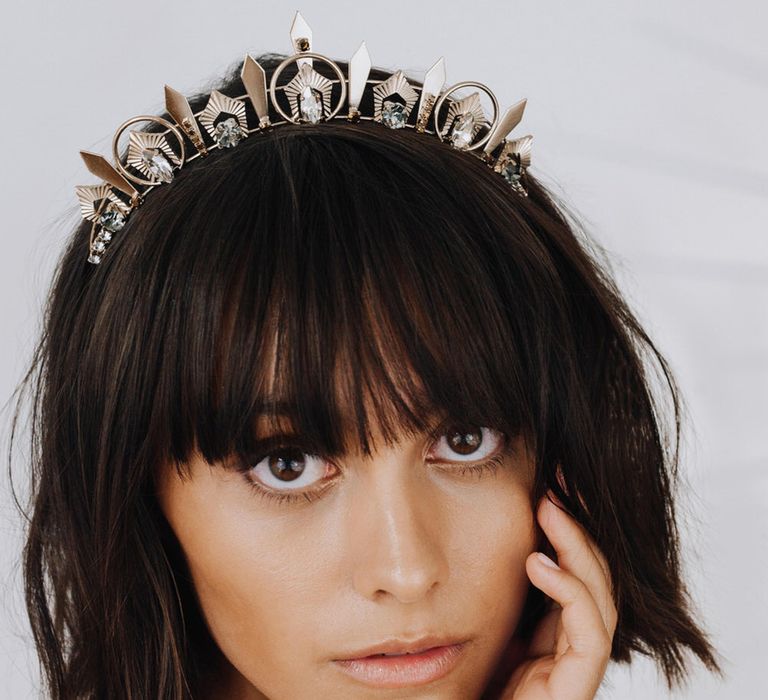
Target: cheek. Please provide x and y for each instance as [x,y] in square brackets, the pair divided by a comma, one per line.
[250,587]
[261,577]
[494,534]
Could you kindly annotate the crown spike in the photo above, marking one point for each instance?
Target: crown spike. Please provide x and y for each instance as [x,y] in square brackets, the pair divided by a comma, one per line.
[434,80]
[301,38]
[178,107]
[255,81]
[508,122]
[359,70]
[101,167]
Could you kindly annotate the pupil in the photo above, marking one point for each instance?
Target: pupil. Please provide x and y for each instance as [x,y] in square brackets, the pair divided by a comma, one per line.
[287,469]
[465,442]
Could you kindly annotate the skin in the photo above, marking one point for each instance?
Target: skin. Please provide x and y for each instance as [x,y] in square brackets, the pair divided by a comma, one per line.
[571,647]
[400,545]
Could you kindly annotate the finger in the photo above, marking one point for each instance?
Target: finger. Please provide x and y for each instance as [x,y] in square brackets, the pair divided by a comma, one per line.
[576,553]
[546,633]
[611,613]
[579,667]
[551,495]
[593,545]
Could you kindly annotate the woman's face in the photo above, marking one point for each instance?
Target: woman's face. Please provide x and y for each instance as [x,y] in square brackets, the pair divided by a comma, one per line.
[398,546]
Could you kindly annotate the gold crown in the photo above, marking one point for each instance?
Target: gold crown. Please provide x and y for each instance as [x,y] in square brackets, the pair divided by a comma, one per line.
[309,97]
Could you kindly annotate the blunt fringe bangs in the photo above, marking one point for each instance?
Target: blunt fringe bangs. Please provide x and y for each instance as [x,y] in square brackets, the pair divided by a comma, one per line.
[346,278]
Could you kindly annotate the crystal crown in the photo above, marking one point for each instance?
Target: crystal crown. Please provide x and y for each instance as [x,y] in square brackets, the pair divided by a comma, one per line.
[152,158]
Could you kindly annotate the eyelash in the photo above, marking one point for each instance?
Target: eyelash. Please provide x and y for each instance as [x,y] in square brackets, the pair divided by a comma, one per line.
[490,466]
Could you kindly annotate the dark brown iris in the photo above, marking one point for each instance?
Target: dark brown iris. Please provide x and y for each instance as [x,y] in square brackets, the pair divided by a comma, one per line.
[464,442]
[287,465]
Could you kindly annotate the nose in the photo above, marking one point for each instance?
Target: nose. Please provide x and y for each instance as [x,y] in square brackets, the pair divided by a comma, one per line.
[398,535]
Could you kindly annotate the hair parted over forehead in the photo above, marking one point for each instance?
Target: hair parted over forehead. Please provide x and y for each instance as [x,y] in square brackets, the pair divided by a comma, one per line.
[350,280]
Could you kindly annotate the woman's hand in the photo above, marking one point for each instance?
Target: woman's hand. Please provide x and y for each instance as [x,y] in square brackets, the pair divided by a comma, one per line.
[570,649]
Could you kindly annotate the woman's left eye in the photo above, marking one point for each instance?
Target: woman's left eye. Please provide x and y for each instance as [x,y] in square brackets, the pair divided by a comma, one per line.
[280,474]
[468,443]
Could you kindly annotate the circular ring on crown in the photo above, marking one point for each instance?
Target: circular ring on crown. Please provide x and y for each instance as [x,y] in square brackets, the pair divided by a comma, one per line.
[309,93]
[465,117]
[149,152]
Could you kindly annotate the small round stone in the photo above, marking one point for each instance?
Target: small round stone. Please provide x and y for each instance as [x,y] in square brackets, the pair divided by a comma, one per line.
[112,220]
[95,259]
[227,133]
[393,114]
[511,171]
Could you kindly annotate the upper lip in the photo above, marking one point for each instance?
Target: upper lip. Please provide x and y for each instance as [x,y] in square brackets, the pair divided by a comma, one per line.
[401,646]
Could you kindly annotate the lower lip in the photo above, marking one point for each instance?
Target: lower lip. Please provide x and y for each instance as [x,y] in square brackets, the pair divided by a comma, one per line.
[405,670]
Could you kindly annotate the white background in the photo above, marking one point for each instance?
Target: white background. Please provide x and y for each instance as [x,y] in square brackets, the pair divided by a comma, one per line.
[649,118]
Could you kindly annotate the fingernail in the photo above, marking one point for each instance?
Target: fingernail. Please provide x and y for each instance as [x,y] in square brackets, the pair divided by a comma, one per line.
[544,559]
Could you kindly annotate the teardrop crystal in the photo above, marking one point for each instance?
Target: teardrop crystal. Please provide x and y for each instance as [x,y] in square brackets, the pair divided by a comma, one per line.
[310,105]
[157,164]
[463,130]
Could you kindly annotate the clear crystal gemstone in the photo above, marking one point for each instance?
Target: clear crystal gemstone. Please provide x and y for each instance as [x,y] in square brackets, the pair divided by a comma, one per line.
[157,164]
[227,133]
[95,259]
[463,130]
[105,235]
[393,114]
[310,106]
[112,220]
[99,246]
[511,171]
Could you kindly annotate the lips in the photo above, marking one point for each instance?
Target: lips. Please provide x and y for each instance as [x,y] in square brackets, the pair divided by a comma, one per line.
[406,669]
[406,653]
[400,647]
[400,653]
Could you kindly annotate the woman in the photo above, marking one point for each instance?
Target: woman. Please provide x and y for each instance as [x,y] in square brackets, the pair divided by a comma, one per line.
[324,411]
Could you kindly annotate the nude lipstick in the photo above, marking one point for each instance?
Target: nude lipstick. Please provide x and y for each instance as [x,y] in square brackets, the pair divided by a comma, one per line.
[398,670]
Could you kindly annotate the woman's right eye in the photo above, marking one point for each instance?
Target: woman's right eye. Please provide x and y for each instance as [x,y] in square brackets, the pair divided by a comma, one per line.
[289,469]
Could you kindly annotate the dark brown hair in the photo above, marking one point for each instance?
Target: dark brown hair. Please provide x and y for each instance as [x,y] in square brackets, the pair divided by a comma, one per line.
[392,254]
